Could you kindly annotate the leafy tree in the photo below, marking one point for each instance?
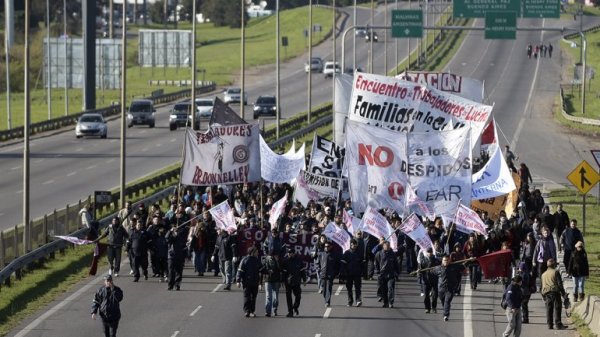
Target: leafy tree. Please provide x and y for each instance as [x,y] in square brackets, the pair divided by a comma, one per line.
[157,11]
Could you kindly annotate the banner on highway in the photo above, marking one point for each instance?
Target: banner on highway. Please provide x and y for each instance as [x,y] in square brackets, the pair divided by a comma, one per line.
[341,106]
[377,225]
[465,87]
[413,227]
[405,106]
[352,223]
[493,206]
[494,179]
[489,139]
[221,155]
[337,235]
[224,218]
[315,187]
[282,168]
[468,221]
[277,210]
[326,158]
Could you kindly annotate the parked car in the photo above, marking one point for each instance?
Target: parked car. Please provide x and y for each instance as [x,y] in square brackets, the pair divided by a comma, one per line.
[330,68]
[265,106]
[371,34]
[316,65]
[232,95]
[91,124]
[179,115]
[141,112]
[204,107]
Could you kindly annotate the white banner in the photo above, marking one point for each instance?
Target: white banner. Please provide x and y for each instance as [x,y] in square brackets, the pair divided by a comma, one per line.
[337,235]
[352,223]
[494,179]
[222,155]
[315,187]
[406,106]
[343,93]
[280,168]
[74,240]
[277,210]
[413,227]
[439,169]
[375,224]
[223,215]
[465,87]
[467,221]
[420,207]
[374,163]
[327,158]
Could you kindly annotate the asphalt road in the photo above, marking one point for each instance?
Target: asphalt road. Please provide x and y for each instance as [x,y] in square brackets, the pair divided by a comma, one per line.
[65,169]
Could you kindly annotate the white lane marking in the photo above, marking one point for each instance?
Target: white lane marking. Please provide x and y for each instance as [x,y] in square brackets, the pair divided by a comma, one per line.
[158,145]
[79,149]
[175,333]
[1,214]
[317,335]
[19,192]
[71,173]
[114,140]
[91,167]
[217,288]
[513,144]
[38,161]
[33,325]
[145,149]
[196,310]
[467,314]
[15,168]
[327,313]
[58,155]
[173,140]
[48,182]
[110,161]
[338,291]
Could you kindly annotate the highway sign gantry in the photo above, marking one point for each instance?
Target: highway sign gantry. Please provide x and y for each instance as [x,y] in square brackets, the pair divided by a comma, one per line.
[584,177]
[407,23]
[541,9]
[501,25]
[478,8]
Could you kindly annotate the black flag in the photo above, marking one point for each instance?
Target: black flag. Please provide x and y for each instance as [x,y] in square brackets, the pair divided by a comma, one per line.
[222,114]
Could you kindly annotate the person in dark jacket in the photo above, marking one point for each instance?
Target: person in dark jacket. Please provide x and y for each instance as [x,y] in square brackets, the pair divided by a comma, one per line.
[248,276]
[387,268]
[579,269]
[328,263]
[513,297]
[117,234]
[447,276]
[271,276]
[570,236]
[176,238]
[429,280]
[139,241]
[552,293]
[545,249]
[352,272]
[161,247]
[226,252]
[107,302]
[561,218]
[293,275]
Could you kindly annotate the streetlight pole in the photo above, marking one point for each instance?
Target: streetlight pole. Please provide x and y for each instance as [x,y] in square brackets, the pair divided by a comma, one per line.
[277,84]
[8,16]
[353,40]
[370,34]
[26,122]
[65,37]
[396,49]
[385,49]
[333,28]
[123,102]
[193,105]
[243,61]
[310,58]
[49,79]
[110,19]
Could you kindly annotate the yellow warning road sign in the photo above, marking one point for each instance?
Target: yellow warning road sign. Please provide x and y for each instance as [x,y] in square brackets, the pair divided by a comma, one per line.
[584,177]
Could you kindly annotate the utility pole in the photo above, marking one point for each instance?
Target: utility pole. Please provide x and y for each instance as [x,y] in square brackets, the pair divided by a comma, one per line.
[110,18]
[333,10]
[165,17]
[123,103]
[277,82]
[26,122]
[242,91]
[65,37]
[396,50]
[310,33]
[8,31]
[385,34]
[193,105]
[49,72]
[353,41]
[370,34]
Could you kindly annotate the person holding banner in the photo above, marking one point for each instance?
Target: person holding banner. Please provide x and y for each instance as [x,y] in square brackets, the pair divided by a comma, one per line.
[473,248]
[176,238]
[429,280]
[352,272]
[447,275]
[387,268]
[328,263]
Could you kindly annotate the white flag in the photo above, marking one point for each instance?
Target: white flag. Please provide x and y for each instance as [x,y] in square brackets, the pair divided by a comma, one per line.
[412,199]
[74,240]
[315,187]
[413,227]
[468,221]
[352,223]
[494,179]
[224,218]
[337,235]
[277,210]
[280,168]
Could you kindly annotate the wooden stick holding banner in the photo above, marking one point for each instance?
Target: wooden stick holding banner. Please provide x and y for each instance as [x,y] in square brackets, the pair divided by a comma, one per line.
[430,268]
[187,123]
[262,204]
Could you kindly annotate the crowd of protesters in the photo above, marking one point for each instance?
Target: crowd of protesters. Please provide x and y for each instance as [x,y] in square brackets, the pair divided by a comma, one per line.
[158,242]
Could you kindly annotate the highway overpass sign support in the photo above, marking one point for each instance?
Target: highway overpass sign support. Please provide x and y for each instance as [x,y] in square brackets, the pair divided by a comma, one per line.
[500,25]
[407,23]
[472,9]
[541,9]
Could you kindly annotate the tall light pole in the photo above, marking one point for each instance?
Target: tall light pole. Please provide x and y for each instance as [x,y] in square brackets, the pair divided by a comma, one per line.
[243,61]
[310,24]
[333,29]
[123,101]
[385,50]
[408,40]
[49,79]
[370,32]
[26,122]
[8,17]
[396,49]
[354,40]
[66,59]
[277,86]
[110,18]
[193,105]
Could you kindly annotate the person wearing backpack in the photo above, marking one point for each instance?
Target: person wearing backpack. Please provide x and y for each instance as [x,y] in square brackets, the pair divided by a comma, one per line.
[106,302]
[511,302]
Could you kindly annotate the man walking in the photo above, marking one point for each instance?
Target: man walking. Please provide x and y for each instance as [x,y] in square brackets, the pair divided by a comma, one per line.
[552,292]
[513,298]
[271,273]
[116,238]
[139,241]
[225,251]
[352,271]
[293,275]
[176,238]
[430,280]
[447,278]
[106,301]
[329,267]
[570,236]
[386,266]
[248,277]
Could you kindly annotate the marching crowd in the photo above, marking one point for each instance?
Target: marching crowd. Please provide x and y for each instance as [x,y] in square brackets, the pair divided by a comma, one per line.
[158,242]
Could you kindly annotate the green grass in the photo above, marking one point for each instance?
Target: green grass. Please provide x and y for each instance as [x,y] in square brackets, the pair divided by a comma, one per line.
[571,9]
[218,53]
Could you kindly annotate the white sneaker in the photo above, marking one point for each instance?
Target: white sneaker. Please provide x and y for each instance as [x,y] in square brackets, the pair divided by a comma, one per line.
[131,272]
[116,274]
[109,271]
[422,294]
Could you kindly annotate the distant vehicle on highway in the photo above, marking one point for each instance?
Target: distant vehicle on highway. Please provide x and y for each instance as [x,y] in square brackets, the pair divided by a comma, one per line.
[316,65]
[179,115]
[361,32]
[141,112]
[372,34]
[204,107]
[330,68]
[351,71]
[232,95]
[265,106]
[91,124]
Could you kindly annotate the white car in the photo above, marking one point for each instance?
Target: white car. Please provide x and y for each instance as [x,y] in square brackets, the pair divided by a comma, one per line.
[316,65]
[204,107]
[91,124]
[330,68]
[232,95]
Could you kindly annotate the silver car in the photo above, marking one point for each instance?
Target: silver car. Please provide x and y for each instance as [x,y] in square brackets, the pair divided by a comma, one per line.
[232,95]
[91,124]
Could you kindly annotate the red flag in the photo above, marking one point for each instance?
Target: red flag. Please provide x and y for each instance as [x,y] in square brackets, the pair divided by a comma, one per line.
[99,250]
[496,264]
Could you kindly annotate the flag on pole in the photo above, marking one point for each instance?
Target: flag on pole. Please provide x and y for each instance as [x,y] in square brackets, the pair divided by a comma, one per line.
[337,235]
[468,221]
[277,210]
[74,240]
[223,215]
[496,264]
[352,223]
[412,199]
[413,227]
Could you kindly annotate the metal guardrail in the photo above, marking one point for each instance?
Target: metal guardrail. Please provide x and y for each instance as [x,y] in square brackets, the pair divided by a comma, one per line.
[589,30]
[582,120]
[19,263]
[60,122]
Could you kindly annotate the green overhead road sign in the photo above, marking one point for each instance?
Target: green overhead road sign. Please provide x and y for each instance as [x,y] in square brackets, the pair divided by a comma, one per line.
[478,8]
[501,25]
[541,9]
[407,23]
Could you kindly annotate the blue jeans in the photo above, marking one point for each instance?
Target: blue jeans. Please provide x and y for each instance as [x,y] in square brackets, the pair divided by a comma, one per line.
[200,261]
[271,297]
[226,272]
[578,283]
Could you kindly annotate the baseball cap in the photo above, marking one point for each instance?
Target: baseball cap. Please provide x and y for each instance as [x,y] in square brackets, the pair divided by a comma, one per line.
[108,277]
